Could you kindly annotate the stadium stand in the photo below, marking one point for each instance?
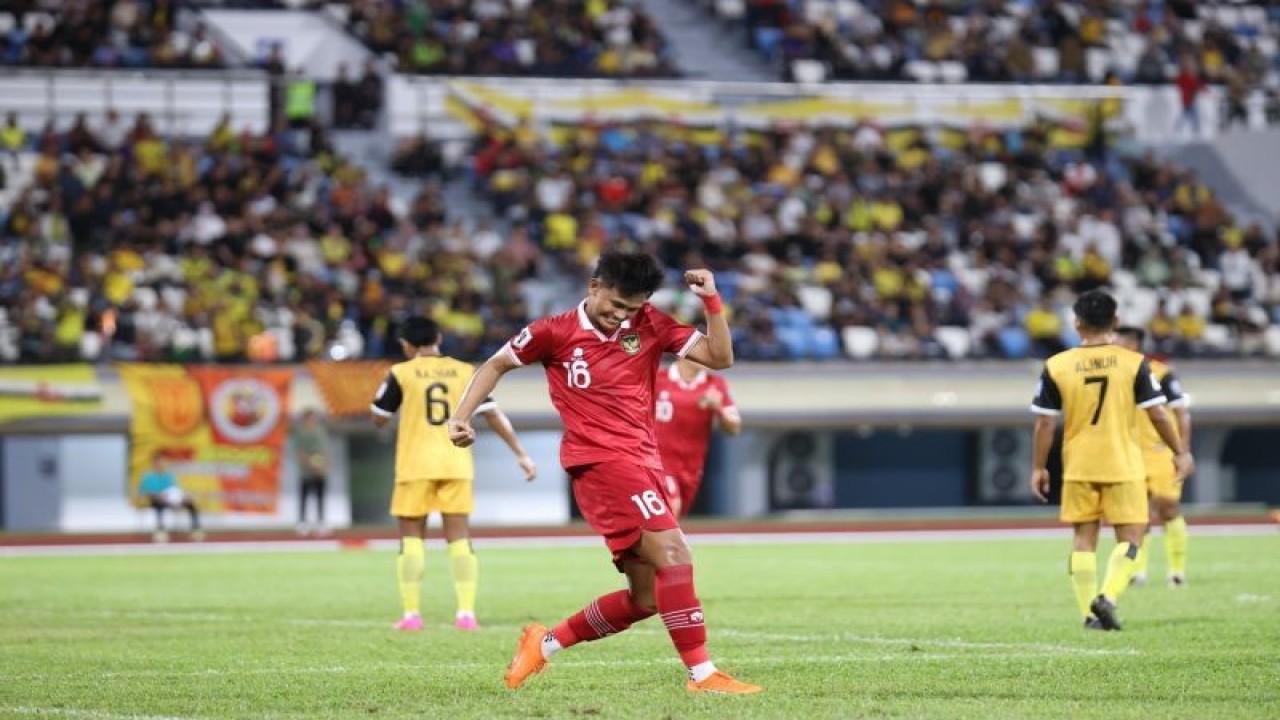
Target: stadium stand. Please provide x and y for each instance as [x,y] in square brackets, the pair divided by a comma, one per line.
[899,243]
[566,38]
[116,34]
[1027,41]
[239,247]
[865,242]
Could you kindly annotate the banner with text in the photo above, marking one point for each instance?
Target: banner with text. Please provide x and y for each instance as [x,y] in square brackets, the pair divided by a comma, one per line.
[222,430]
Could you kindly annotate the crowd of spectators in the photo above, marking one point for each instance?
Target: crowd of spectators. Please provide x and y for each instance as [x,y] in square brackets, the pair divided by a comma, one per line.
[556,38]
[119,244]
[1151,41]
[899,232]
[102,33]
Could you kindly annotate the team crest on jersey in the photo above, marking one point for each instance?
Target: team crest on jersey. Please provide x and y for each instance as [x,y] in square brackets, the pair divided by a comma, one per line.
[631,343]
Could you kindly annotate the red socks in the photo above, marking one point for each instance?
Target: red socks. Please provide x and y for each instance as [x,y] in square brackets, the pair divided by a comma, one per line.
[606,615]
[615,612]
[682,613]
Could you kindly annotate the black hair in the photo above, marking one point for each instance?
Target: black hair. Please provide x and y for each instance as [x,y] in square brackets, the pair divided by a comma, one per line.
[1133,332]
[420,332]
[630,273]
[1096,310]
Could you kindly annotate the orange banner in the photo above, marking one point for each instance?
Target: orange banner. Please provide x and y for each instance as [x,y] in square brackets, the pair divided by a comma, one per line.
[348,387]
[222,430]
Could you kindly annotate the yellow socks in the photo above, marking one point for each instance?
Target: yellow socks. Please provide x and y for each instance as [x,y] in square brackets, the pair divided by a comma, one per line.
[1120,567]
[1084,579]
[1175,545]
[466,574]
[1140,563]
[409,572]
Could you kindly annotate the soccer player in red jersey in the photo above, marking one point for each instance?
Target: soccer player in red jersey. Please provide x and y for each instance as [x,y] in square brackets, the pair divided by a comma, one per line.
[690,400]
[601,359]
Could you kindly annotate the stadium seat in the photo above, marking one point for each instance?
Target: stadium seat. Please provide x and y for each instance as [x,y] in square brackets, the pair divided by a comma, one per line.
[767,41]
[795,340]
[860,343]
[955,340]
[1271,341]
[731,9]
[1014,342]
[825,345]
[952,72]
[922,71]
[1123,281]
[1138,305]
[808,72]
[1218,337]
[1046,62]
[816,300]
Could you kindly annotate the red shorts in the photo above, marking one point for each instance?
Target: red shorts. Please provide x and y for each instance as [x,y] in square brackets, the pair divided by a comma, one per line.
[619,500]
[682,490]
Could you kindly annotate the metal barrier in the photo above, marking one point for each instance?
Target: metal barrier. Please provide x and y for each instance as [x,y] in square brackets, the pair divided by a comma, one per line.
[180,102]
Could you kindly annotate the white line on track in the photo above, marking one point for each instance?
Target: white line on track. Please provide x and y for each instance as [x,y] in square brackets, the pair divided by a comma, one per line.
[543,542]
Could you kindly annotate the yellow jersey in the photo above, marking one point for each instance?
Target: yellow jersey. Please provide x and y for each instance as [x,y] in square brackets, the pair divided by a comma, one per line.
[425,390]
[1098,389]
[1152,445]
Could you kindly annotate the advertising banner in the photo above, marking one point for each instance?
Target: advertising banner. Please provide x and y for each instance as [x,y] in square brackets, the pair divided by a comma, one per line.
[348,387]
[221,430]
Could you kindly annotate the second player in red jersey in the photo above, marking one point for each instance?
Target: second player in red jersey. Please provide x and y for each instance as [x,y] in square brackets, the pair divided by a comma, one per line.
[601,359]
[690,400]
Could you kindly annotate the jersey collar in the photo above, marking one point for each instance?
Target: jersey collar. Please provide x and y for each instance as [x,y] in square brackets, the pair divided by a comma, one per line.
[674,373]
[585,323]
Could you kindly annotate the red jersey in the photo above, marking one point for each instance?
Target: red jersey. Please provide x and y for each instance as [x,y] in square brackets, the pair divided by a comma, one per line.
[602,385]
[683,427]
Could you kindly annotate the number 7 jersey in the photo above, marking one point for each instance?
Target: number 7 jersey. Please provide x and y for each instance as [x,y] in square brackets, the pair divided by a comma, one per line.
[1098,389]
[425,390]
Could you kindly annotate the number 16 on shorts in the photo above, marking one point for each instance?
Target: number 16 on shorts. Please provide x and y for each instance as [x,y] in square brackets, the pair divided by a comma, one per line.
[650,504]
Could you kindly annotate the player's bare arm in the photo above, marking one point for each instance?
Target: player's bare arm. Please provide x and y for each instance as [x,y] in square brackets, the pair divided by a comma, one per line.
[501,424]
[1182,414]
[716,352]
[1041,443]
[481,386]
[1182,459]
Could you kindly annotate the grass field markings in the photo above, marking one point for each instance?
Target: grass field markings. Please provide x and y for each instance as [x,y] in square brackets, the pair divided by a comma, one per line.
[1251,598]
[90,714]
[535,542]
[497,665]
[1045,648]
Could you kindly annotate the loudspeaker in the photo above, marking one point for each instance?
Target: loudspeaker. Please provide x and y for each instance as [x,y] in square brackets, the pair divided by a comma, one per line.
[801,473]
[1004,464]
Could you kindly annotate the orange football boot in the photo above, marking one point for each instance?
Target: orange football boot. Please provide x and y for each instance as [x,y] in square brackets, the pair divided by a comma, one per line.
[528,659]
[721,683]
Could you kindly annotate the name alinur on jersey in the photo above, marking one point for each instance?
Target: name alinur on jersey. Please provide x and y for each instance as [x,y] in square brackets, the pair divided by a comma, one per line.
[1097,363]
[436,373]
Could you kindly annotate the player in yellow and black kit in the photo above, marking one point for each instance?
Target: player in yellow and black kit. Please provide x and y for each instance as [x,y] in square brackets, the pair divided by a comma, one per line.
[1164,487]
[432,475]
[1098,388]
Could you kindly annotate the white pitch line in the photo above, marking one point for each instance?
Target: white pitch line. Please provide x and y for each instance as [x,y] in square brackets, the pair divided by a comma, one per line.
[812,659]
[1044,648]
[90,714]
[544,542]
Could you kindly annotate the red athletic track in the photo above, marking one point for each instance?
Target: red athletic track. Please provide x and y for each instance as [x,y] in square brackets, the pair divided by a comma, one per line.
[763,527]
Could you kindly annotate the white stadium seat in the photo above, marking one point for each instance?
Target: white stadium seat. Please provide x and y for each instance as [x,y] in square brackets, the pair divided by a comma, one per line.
[1217,337]
[955,339]
[860,343]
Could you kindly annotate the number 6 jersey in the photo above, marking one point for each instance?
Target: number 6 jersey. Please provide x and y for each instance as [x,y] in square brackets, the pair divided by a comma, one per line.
[1098,389]
[602,385]
[425,389]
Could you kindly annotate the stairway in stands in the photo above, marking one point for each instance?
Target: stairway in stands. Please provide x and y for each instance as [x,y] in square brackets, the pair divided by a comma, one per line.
[705,49]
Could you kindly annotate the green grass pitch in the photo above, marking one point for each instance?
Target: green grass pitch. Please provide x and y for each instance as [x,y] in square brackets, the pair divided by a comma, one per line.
[947,630]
